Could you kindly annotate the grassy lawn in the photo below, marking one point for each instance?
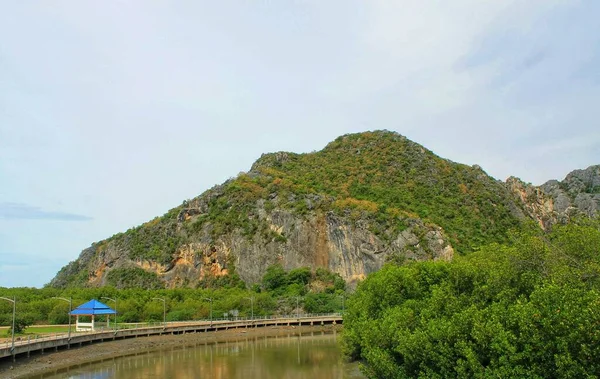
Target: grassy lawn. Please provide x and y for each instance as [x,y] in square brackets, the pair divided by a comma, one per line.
[48,329]
[33,331]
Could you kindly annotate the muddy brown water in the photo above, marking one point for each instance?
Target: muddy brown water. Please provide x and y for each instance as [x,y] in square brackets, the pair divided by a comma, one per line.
[314,355]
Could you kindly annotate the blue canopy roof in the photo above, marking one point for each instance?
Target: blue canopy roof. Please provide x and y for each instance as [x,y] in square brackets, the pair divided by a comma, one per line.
[93,307]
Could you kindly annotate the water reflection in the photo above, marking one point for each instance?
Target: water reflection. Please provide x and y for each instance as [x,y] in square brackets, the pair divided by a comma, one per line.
[313,355]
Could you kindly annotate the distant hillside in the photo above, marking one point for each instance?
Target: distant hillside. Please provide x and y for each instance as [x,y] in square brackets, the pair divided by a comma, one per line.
[363,200]
[554,201]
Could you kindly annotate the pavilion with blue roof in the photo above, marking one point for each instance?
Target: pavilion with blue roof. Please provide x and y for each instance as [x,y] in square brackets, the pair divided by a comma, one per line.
[91,308]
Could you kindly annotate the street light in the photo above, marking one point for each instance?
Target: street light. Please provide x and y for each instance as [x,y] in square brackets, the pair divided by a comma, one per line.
[69,300]
[115,300]
[14,301]
[297,306]
[210,300]
[164,309]
[251,305]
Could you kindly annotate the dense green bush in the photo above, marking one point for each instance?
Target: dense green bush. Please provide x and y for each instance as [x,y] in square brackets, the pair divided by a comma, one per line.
[21,323]
[321,303]
[275,278]
[297,281]
[526,309]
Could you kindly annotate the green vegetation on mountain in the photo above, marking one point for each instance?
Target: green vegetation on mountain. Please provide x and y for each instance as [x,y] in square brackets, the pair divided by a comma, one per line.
[133,277]
[387,177]
[528,308]
[155,240]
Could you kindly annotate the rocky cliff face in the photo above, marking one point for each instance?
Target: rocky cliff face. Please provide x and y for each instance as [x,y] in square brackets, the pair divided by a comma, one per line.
[559,201]
[320,239]
[364,200]
[579,192]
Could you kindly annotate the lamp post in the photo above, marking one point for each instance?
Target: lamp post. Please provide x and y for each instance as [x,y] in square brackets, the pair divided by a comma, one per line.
[343,309]
[210,300]
[297,306]
[164,309]
[14,302]
[115,300]
[251,298]
[70,301]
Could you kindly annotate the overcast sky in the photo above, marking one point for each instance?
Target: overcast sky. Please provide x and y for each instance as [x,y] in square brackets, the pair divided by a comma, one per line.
[113,112]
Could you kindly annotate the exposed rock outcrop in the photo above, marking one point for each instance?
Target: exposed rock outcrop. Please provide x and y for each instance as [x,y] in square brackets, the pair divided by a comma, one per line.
[316,240]
[559,201]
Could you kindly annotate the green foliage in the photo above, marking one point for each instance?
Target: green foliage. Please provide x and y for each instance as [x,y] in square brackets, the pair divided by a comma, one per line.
[299,281]
[21,323]
[332,282]
[181,315]
[385,178]
[525,309]
[231,280]
[138,304]
[133,277]
[275,278]
[300,276]
[155,240]
[226,281]
[321,303]
[59,314]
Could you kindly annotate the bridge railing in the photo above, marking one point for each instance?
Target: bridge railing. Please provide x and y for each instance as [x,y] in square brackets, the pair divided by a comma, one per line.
[149,325]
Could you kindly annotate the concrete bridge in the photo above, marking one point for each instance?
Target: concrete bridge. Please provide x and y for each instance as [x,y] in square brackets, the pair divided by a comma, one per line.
[62,341]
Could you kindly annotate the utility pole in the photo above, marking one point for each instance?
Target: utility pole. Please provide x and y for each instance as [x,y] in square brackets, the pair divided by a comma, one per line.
[251,305]
[70,301]
[297,306]
[164,309]
[210,300]
[115,300]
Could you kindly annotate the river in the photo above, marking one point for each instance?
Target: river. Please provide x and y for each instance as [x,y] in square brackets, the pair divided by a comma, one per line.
[312,355]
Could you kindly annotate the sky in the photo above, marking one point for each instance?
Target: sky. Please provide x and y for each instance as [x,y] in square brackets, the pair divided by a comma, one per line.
[113,112]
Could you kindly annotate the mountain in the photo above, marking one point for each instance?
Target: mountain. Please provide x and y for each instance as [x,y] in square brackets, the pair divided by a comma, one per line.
[560,201]
[363,200]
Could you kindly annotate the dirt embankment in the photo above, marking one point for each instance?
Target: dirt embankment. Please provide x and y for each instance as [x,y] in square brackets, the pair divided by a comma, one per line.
[50,361]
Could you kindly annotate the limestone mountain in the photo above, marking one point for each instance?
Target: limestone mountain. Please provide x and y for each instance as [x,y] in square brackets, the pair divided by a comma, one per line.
[559,201]
[363,200]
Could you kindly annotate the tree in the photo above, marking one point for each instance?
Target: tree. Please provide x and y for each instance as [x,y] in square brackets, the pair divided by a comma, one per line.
[275,278]
[524,309]
[21,323]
